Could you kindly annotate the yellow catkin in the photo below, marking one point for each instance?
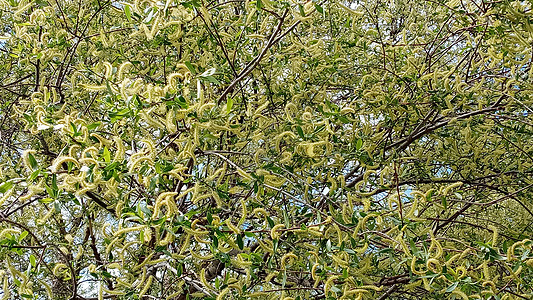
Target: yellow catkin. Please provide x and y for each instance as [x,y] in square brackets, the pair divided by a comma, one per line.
[46,217]
[434,265]
[47,288]
[271,276]
[129,229]
[427,286]
[491,284]
[146,286]
[460,294]
[274,232]
[79,254]
[59,269]
[362,249]
[313,271]
[402,243]
[486,272]
[196,255]
[287,257]
[232,227]
[222,294]
[435,244]
[452,259]
[56,165]
[241,262]
[6,196]
[100,291]
[413,267]
[494,235]
[447,188]
[113,292]
[329,283]
[203,280]
[461,270]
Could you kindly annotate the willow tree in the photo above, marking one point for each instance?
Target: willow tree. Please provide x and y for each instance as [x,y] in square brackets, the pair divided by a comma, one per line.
[266,149]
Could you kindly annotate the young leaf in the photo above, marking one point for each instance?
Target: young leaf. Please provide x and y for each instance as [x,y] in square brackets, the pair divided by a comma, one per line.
[229,104]
[240,242]
[127,11]
[6,186]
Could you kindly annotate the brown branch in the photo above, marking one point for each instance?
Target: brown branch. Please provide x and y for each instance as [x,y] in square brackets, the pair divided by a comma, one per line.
[252,64]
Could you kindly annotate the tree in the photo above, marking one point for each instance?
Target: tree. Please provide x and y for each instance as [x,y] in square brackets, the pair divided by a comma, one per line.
[266,149]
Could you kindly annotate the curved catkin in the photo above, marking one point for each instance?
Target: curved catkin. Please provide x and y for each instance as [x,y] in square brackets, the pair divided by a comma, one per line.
[222,294]
[274,234]
[447,188]
[413,267]
[60,269]
[287,257]
[329,282]
[271,276]
[57,164]
[434,265]
[266,150]
[232,227]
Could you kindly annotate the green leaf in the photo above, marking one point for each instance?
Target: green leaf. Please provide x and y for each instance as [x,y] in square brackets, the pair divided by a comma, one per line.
[32,260]
[46,200]
[190,67]
[111,166]
[93,126]
[319,8]
[106,274]
[182,102]
[6,186]
[34,175]
[270,222]
[108,87]
[302,11]
[286,219]
[23,235]
[210,79]
[54,184]
[343,119]
[229,104]
[452,287]
[209,218]
[358,144]
[300,131]
[33,162]
[127,11]
[240,242]
[145,210]
[106,155]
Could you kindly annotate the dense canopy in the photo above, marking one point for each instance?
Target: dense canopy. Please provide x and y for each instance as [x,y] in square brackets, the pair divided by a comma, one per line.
[239,149]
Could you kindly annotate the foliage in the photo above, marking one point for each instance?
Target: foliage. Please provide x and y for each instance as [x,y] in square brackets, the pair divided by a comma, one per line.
[266,149]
